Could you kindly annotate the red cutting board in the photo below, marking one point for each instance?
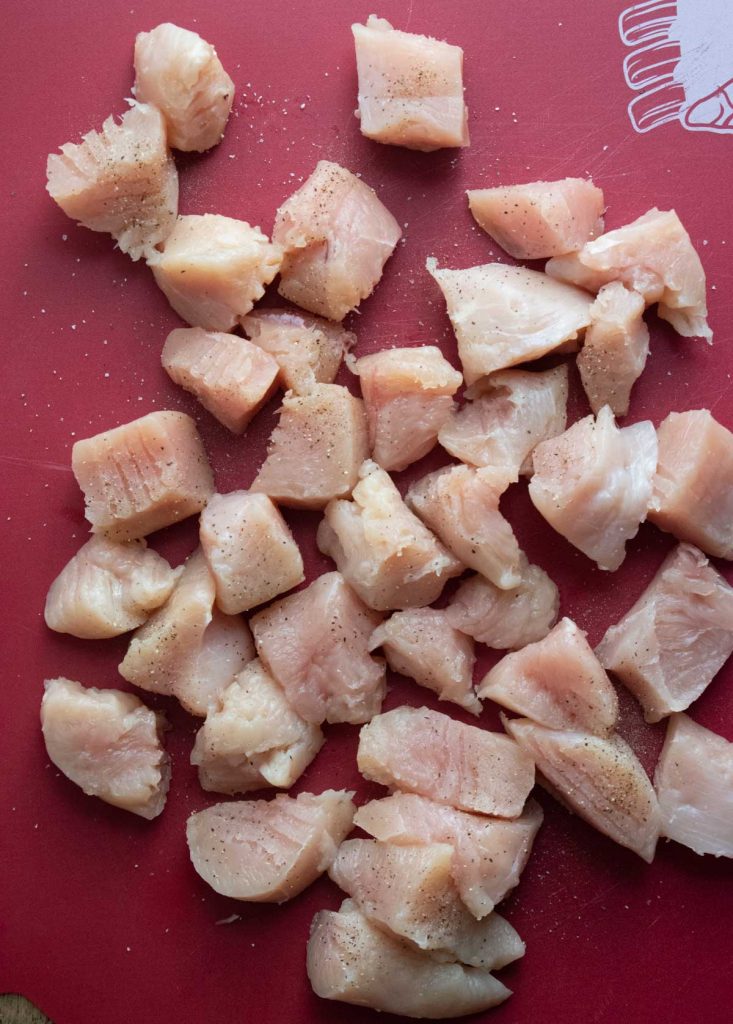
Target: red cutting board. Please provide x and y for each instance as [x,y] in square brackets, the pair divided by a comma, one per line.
[103,920]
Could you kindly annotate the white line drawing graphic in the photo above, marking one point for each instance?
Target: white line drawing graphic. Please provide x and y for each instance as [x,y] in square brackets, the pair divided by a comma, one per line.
[680,63]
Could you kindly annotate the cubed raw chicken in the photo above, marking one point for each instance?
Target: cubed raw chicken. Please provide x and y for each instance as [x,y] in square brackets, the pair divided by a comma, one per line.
[506,416]
[421,643]
[410,891]
[250,551]
[507,315]
[254,738]
[121,180]
[316,448]
[593,484]
[653,256]
[212,269]
[316,645]
[408,394]
[694,783]
[107,588]
[600,778]
[672,642]
[410,88]
[308,349]
[506,619]
[384,551]
[489,854]
[615,349]
[460,504]
[189,649]
[230,376]
[268,851]
[108,743]
[353,961]
[180,73]
[336,237]
[428,753]
[540,219]
[143,475]
[557,682]
[693,488]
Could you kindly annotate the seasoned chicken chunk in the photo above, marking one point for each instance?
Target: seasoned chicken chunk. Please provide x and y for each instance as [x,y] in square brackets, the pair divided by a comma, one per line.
[615,349]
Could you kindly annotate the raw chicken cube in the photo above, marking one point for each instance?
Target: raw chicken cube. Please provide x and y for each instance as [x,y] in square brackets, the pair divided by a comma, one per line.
[693,488]
[408,397]
[540,219]
[143,475]
[107,588]
[230,376]
[316,448]
[506,416]
[593,484]
[336,236]
[384,551]
[250,551]
[316,645]
[670,644]
[108,743]
[212,269]
[557,682]
[254,738]
[694,783]
[121,180]
[268,851]
[615,349]
[426,752]
[180,73]
[507,315]
[410,88]
[421,643]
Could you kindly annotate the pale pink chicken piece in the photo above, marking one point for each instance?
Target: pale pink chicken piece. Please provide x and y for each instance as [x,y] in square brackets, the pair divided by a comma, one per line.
[316,645]
[426,752]
[212,269]
[308,349]
[557,681]
[143,475]
[249,549]
[230,376]
[384,551]
[108,588]
[615,349]
[253,738]
[189,649]
[108,743]
[460,504]
[410,891]
[421,643]
[675,638]
[336,237]
[507,315]
[693,488]
[410,88]
[599,778]
[351,960]
[506,619]
[489,854]
[653,256]
[120,180]
[694,784]
[408,394]
[180,73]
[316,448]
[268,851]
[540,219]
[593,484]
[505,417]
